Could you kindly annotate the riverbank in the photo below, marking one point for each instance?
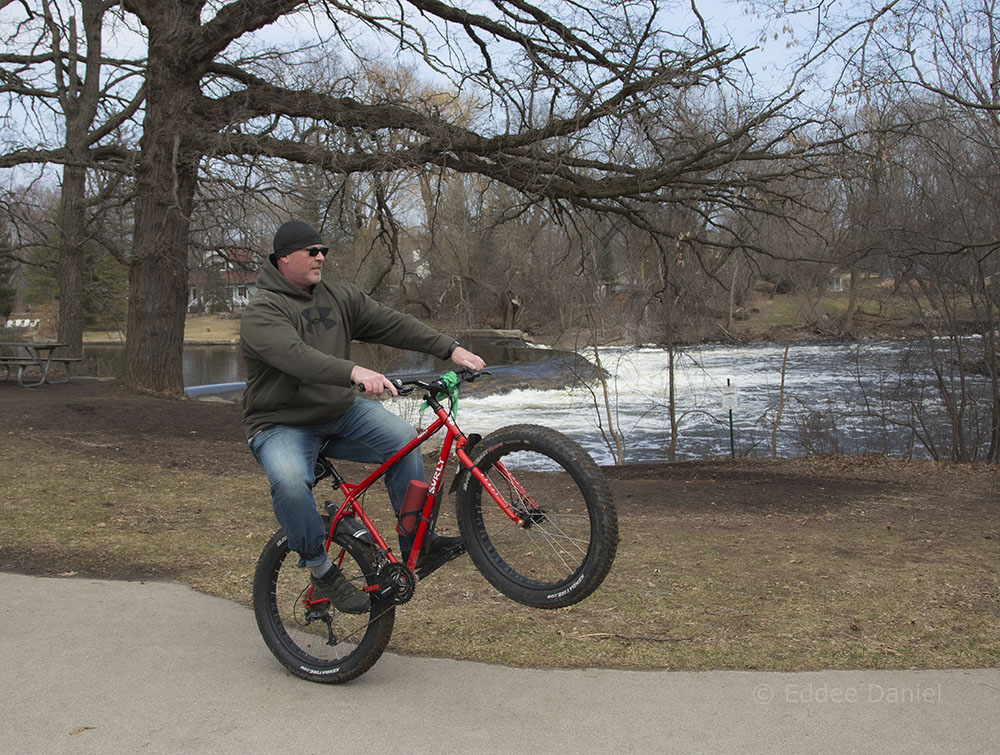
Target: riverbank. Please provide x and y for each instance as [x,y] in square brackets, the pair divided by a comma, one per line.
[834,397]
[776,564]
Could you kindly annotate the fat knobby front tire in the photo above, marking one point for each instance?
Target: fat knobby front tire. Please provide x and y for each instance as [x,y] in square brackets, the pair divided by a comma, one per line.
[570,534]
[309,636]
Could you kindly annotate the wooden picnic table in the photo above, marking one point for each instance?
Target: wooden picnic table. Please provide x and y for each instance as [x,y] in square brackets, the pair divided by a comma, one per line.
[29,357]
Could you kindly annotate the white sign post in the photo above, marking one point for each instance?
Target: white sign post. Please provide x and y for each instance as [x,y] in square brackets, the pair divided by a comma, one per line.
[729,400]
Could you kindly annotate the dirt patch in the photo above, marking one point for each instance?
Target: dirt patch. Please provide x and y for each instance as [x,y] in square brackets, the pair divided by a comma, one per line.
[94,413]
[813,486]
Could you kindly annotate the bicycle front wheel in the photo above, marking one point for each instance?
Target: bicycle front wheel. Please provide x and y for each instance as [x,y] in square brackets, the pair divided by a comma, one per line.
[567,543]
[311,638]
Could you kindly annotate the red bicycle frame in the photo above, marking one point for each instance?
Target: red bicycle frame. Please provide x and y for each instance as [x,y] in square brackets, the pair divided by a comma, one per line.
[454,436]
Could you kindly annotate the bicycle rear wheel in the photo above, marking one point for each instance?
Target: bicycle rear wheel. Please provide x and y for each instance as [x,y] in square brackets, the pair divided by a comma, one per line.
[317,642]
[570,536]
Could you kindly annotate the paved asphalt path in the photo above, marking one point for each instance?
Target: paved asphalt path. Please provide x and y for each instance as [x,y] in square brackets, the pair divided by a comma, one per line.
[92,666]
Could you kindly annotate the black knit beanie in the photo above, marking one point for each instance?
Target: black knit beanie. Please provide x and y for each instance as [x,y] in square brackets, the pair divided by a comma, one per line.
[294,235]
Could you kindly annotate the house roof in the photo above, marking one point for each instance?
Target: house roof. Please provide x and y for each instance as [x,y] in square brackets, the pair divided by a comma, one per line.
[236,266]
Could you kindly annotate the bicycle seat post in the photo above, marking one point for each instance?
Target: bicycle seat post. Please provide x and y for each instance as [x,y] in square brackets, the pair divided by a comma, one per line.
[336,480]
[325,469]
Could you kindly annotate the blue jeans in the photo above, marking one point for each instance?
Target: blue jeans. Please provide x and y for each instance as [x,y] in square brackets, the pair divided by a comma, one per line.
[367,432]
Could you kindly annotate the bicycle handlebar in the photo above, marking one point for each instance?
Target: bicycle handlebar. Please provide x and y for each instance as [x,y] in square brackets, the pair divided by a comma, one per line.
[406,387]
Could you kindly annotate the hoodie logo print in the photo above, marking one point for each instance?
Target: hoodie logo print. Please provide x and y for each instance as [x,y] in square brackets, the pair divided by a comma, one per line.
[317,316]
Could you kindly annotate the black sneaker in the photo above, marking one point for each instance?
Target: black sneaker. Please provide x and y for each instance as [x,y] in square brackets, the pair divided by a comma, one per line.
[344,596]
[438,552]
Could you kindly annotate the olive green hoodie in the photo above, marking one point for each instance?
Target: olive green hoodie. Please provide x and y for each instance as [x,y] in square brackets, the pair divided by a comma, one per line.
[297,348]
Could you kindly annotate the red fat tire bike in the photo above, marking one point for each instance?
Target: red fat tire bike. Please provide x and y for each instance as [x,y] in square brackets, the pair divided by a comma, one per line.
[535,512]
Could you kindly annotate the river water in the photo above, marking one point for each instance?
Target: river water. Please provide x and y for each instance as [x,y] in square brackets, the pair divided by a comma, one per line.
[747,400]
[833,398]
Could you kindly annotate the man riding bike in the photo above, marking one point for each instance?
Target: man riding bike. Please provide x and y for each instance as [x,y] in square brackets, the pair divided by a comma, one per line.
[295,338]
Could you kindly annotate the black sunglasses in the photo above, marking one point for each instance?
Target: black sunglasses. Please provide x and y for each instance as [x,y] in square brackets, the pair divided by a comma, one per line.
[324,250]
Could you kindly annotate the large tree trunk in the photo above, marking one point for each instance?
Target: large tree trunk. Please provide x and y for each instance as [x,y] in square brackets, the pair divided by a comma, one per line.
[164,194]
[71,243]
[159,266]
[79,95]
[158,285]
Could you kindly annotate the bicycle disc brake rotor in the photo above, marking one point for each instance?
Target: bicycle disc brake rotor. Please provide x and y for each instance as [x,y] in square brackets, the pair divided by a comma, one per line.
[397,582]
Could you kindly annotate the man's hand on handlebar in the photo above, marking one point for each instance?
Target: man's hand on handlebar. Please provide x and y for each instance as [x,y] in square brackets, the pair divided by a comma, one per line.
[369,381]
[465,358]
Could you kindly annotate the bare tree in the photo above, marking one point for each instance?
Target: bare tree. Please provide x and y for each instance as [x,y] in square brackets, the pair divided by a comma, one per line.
[534,99]
[944,60]
[553,94]
[64,69]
